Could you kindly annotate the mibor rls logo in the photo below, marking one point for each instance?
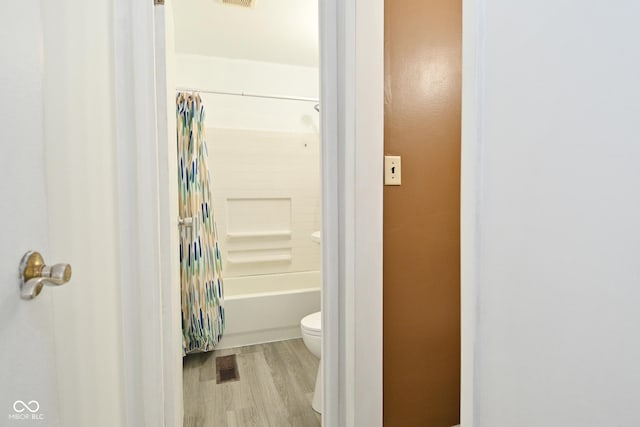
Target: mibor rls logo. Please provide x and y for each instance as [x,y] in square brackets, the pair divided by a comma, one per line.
[20,406]
[26,410]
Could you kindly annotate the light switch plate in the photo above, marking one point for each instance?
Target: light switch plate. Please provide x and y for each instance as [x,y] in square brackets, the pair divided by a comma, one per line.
[392,170]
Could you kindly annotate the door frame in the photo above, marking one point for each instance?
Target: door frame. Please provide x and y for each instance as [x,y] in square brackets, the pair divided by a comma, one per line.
[352,45]
[352,119]
[470,165]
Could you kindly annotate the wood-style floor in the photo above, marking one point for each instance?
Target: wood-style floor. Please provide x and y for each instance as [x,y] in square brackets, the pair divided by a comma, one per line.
[275,388]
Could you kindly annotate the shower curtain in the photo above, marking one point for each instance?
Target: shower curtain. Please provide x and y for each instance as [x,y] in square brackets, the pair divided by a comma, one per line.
[200,259]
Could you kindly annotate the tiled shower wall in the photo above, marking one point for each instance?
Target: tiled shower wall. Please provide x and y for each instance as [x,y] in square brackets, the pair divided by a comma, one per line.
[267,204]
[265,162]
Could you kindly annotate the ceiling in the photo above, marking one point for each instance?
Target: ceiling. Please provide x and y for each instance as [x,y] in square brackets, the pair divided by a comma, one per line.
[282,31]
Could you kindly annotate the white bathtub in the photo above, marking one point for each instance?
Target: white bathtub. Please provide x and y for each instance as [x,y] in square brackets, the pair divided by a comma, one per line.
[268,308]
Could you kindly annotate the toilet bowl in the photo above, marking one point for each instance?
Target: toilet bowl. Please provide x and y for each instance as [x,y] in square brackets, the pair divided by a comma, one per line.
[311,327]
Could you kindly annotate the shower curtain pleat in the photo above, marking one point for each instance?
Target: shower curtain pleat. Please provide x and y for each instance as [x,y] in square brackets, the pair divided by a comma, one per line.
[200,257]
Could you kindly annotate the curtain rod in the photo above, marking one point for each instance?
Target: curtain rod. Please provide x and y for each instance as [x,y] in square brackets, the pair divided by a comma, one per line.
[250,95]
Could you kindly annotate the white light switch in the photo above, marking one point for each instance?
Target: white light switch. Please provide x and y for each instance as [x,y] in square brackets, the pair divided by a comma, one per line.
[392,170]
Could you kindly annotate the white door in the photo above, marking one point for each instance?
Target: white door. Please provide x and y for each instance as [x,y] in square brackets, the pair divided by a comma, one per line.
[63,354]
[27,357]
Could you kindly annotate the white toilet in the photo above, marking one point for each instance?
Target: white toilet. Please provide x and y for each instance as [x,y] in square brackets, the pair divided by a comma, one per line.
[311,326]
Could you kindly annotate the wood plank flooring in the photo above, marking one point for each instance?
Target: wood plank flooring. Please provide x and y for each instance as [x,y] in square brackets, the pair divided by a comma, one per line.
[275,388]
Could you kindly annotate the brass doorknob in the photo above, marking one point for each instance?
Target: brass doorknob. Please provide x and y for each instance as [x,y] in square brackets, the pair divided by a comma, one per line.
[34,274]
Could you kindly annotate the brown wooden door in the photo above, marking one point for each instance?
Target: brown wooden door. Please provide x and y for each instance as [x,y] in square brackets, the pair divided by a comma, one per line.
[423,40]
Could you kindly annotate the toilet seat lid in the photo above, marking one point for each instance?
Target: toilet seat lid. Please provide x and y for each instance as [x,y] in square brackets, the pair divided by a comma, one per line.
[312,322]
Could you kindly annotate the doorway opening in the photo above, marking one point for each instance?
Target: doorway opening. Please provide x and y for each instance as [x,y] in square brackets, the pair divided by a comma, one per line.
[248,196]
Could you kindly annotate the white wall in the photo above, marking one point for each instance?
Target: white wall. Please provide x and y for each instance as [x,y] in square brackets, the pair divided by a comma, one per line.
[282,31]
[235,112]
[81,178]
[558,227]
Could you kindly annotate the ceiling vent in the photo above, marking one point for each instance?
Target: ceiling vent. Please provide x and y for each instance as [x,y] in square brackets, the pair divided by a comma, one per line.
[242,3]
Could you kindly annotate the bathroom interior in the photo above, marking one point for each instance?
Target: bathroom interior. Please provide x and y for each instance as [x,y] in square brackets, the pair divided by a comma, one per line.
[248,142]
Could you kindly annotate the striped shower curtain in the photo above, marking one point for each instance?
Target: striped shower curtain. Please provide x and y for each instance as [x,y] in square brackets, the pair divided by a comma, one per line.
[200,259]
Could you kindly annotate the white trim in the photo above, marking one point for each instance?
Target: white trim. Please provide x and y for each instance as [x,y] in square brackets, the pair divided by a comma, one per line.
[352,88]
[137,163]
[331,246]
[368,212]
[168,210]
[470,167]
